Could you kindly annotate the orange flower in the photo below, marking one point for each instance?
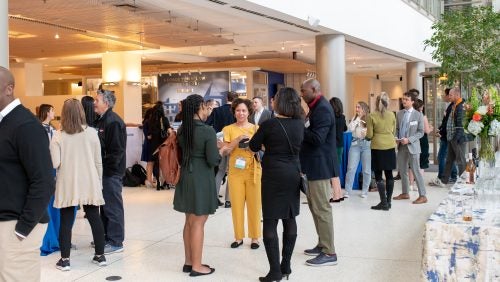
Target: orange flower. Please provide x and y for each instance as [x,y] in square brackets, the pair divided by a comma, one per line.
[476,117]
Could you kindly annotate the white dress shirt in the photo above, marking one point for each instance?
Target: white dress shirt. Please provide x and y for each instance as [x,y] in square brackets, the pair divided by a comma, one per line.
[9,108]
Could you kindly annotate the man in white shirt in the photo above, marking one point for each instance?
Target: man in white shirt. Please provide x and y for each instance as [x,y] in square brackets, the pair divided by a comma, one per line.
[259,114]
[27,185]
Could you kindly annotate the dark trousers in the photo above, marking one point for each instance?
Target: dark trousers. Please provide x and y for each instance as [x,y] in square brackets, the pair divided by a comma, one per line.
[112,213]
[442,152]
[67,216]
[456,153]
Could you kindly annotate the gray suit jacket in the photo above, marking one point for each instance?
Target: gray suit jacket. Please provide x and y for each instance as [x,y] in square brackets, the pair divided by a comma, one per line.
[266,114]
[415,130]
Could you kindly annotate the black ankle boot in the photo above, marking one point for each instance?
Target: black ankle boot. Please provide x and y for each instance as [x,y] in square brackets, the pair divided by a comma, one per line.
[389,186]
[273,256]
[286,254]
[383,198]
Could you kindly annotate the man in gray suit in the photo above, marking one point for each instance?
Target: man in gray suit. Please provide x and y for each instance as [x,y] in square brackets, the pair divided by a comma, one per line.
[259,114]
[409,130]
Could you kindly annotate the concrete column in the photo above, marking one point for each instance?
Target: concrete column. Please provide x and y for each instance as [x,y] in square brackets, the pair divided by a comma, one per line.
[330,66]
[121,72]
[29,79]
[413,78]
[4,33]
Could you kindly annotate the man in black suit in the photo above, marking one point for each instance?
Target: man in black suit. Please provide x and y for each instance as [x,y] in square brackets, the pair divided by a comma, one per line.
[319,162]
[218,119]
[260,114]
[27,185]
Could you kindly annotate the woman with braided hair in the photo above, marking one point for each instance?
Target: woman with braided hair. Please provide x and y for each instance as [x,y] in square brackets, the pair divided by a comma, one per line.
[196,195]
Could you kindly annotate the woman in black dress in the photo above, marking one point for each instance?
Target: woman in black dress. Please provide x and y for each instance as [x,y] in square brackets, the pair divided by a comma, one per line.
[158,126]
[281,138]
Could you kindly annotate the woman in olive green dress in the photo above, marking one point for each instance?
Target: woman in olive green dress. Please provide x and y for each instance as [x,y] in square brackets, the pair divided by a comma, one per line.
[196,194]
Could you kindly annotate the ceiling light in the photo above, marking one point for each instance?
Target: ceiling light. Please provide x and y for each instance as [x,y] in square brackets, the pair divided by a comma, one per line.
[231,54]
[245,56]
[56,36]
[354,62]
[283,46]
[200,53]
[301,49]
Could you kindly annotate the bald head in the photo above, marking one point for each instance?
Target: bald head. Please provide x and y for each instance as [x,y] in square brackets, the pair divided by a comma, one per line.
[309,89]
[6,77]
[6,87]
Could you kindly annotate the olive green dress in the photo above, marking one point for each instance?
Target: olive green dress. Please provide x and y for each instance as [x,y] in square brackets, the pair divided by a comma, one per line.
[196,193]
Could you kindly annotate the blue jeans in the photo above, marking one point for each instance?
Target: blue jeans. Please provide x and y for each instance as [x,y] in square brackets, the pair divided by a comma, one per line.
[360,151]
[442,152]
[112,213]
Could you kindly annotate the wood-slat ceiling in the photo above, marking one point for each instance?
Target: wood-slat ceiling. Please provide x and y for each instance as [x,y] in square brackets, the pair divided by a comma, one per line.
[85,27]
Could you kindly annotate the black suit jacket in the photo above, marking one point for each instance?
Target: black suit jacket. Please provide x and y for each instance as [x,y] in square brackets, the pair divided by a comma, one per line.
[26,172]
[318,156]
[221,117]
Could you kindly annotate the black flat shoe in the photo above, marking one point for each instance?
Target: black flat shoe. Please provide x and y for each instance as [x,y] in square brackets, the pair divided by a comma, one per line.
[268,278]
[196,273]
[254,246]
[187,268]
[236,244]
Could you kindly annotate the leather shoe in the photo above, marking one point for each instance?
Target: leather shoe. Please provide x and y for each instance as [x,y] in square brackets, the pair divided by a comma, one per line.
[188,268]
[403,196]
[254,246]
[236,244]
[196,273]
[420,200]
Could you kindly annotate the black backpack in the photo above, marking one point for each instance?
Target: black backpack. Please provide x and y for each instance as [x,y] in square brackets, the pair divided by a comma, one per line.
[129,179]
[139,172]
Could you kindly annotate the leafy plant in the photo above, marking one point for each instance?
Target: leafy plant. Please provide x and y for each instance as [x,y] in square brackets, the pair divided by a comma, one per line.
[467,44]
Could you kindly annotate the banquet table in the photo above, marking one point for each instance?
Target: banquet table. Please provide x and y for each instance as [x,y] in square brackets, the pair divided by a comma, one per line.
[458,250]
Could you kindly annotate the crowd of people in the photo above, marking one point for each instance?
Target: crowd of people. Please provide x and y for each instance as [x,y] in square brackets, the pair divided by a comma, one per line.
[264,153]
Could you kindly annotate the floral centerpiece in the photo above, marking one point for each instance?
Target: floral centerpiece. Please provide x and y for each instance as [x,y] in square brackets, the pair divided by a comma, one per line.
[482,118]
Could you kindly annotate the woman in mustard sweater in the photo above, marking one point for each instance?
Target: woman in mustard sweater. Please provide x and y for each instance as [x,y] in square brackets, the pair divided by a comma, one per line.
[381,126]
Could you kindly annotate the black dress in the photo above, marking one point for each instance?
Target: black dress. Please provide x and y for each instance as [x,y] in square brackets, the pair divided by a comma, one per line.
[280,167]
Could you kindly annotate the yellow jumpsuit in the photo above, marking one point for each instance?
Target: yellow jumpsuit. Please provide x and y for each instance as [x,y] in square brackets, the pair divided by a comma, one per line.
[244,185]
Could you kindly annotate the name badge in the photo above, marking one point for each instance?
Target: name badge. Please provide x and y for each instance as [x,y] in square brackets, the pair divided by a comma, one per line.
[413,123]
[240,163]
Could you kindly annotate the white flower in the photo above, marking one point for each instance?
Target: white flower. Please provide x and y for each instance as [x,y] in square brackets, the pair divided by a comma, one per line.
[494,128]
[482,110]
[475,127]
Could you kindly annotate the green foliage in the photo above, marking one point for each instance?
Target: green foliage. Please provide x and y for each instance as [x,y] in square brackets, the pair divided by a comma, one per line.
[467,44]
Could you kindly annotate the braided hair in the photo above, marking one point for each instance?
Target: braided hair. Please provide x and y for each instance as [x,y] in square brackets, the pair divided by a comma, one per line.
[190,107]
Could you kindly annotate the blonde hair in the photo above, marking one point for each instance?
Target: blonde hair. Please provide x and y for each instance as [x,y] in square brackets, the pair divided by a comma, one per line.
[366,109]
[382,103]
[72,117]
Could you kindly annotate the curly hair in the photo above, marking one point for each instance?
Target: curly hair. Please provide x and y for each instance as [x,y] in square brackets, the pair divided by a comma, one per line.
[239,101]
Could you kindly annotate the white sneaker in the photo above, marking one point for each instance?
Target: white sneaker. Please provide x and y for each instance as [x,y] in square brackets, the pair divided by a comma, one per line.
[346,196]
[363,195]
[436,182]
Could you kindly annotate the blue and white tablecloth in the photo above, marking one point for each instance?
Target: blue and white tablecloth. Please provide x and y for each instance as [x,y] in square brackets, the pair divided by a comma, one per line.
[456,250]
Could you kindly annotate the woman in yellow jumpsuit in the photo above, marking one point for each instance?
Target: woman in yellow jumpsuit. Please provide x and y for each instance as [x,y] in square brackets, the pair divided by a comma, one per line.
[244,173]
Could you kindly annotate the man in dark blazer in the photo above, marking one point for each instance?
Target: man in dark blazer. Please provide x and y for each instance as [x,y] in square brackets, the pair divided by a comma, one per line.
[409,130]
[455,135]
[27,185]
[319,163]
[218,119]
[260,114]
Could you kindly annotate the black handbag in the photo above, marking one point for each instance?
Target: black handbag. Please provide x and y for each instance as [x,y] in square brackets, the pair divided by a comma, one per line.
[303,178]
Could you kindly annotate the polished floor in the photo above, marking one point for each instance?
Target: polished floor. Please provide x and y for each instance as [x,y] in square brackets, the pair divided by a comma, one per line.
[371,245]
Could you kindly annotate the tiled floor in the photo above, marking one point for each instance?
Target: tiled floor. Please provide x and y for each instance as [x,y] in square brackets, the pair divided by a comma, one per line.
[371,245]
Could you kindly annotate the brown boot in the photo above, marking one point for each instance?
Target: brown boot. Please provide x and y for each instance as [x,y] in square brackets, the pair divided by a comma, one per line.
[402,196]
[420,200]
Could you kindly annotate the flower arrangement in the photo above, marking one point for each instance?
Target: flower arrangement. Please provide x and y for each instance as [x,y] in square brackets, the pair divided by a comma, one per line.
[482,118]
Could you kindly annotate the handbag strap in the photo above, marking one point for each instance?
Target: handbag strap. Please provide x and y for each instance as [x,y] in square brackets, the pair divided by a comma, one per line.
[288,139]
[286,134]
